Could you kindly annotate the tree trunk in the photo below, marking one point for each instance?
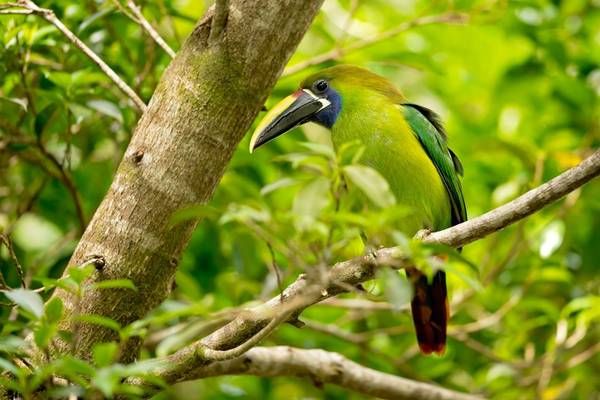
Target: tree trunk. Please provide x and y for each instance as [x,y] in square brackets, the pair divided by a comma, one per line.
[203,105]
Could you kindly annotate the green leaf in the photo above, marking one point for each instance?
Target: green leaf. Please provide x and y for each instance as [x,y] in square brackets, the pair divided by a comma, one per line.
[94,17]
[35,233]
[12,344]
[243,213]
[61,79]
[192,212]
[106,108]
[320,149]
[114,284]
[99,320]
[580,304]
[73,367]
[469,280]
[43,334]
[80,274]
[372,184]
[105,354]
[26,299]
[43,118]
[53,309]
[107,381]
[551,238]
[282,183]
[21,102]
[6,365]
[310,201]
[398,290]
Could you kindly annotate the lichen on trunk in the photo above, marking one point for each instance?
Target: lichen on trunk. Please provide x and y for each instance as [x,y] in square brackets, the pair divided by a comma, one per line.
[203,105]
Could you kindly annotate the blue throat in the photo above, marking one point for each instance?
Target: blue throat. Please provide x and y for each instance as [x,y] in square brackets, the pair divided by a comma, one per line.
[329,115]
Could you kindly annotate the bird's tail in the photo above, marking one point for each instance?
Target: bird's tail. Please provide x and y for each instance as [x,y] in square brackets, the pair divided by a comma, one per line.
[430,310]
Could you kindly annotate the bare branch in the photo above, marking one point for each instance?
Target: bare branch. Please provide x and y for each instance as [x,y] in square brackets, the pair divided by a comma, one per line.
[583,356]
[208,354]
[359,304]
[219,20]
[48,15]
[15,12]
[322,367]
[447,18]
[521,207]
[139,18]
[335,331]
[359,269]
[4,238]
[67,181]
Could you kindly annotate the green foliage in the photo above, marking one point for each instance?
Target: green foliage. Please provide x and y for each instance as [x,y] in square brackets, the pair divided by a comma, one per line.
[518,89]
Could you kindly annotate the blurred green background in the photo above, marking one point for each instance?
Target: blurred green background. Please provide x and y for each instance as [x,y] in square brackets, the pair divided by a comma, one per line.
[517,85]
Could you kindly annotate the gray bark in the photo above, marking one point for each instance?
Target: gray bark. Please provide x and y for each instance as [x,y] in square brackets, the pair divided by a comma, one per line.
[323,367]
[203,105]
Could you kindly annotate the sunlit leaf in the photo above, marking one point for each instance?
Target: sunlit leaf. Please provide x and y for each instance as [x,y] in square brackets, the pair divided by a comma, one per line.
[53,309]
[99,320]
[372,184]
[106,108]
[26,299]
[551,238]
[114,284]
[104,354]
[397,289]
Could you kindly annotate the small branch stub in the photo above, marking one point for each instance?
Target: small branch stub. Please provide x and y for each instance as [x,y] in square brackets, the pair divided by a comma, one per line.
[219,21]
[99,262]
[137,156]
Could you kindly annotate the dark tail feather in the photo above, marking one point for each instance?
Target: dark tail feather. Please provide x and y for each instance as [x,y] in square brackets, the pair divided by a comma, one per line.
[430,310]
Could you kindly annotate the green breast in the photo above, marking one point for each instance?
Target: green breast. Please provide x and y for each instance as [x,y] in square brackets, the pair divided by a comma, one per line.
[393,150]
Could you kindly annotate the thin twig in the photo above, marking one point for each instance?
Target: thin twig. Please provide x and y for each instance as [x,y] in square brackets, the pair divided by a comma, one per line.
[359,269]
[219,20]
[11,252]
[321,367]
[359,304]
[48,15]
[69,184]
[488,321]
[202,351]
[208,354]
[583,356]
[15,12]
[334,54]
[334,330]
[523,206]
[276,270]
[149,28]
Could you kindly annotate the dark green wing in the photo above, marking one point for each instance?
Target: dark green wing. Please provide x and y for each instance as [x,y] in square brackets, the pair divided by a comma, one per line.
[428,129]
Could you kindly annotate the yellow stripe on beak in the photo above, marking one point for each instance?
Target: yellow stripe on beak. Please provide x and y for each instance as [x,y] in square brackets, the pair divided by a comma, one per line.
[271,116]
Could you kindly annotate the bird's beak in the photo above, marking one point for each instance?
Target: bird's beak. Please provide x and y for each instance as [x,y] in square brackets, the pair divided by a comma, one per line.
[290,112]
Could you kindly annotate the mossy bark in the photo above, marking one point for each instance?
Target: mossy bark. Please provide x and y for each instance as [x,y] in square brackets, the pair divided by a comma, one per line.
[203,105]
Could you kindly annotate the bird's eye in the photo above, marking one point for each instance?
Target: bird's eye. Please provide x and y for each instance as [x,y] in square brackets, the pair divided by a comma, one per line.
[321,85]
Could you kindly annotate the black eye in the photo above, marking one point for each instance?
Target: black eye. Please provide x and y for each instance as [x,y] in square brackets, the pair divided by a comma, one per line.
[321,85]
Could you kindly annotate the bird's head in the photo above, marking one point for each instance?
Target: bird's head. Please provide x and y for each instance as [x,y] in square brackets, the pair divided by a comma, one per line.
[322,97]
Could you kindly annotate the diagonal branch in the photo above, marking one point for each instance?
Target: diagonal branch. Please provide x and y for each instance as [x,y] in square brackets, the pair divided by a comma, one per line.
[31,8]
[347,274]
[322,367]
[521,207]
[219,20]
[147,26]
[334,54]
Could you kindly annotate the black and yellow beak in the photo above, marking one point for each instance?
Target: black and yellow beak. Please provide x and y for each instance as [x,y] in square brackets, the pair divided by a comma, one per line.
[290,112]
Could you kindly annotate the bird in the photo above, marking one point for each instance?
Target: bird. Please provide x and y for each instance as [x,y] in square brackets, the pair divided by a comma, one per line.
[406,144]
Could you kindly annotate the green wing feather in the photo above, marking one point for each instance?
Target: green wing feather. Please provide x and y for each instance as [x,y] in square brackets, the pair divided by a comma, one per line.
[426,126]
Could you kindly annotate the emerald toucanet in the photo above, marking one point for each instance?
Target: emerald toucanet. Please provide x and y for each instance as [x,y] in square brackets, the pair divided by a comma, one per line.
[406,144]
